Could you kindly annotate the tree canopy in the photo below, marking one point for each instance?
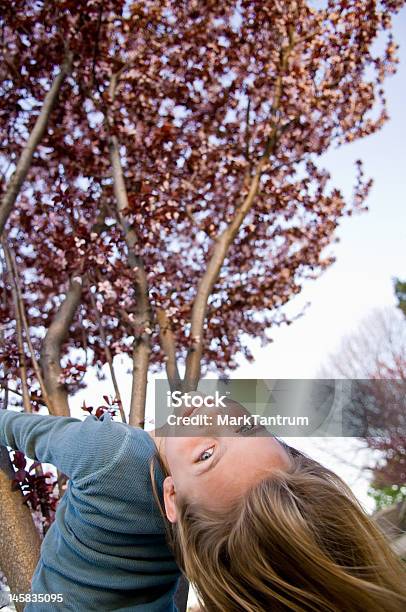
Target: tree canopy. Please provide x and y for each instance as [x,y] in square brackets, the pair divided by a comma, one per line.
[162,193]
[182,134]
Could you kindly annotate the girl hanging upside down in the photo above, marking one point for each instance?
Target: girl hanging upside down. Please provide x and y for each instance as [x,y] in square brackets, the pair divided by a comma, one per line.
[255,525]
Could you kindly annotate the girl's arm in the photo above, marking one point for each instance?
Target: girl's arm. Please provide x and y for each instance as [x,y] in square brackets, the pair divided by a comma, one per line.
[77,448]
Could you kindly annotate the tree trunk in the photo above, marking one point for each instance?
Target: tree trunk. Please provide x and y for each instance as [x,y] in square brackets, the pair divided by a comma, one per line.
[19,538]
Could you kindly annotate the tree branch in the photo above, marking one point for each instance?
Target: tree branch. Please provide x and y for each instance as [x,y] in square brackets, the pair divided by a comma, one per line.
[33,398]
[247,130]
[168,345]
[225,239]
[19,330]
[2,334]
[20,541]
[109,358]
[49,380]
[205,286]
[2,384]
[142,345]
[35,363]
[24,163]
[51,348]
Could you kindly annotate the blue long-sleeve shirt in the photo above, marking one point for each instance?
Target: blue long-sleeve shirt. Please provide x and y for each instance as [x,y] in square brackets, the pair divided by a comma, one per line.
[106,549]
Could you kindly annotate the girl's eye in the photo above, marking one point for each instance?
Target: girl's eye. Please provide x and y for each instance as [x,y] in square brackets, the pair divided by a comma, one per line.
[206,454]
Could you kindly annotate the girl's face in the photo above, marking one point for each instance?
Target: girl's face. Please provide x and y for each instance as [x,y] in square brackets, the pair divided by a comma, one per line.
[216,465]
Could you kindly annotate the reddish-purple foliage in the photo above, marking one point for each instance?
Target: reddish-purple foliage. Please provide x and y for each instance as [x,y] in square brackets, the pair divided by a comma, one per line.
[37,487]
[200,88]
[109,407]
[195,93]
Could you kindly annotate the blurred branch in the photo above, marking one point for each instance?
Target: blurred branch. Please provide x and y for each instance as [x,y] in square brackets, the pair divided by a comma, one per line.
[24,163]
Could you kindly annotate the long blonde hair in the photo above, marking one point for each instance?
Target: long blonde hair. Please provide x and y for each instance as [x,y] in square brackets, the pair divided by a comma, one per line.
[298,540]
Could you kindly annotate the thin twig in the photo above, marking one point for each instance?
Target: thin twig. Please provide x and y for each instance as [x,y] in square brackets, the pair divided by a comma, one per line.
[19,332]
[2,334]
[35,363]
[33,398]
[109,357]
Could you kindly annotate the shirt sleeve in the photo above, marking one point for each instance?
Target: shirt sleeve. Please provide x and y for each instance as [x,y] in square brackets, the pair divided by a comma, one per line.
[77,448]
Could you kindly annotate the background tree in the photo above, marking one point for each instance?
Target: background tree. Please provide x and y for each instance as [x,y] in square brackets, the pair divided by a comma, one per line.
[162,196]
[400,292]
[376,351]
